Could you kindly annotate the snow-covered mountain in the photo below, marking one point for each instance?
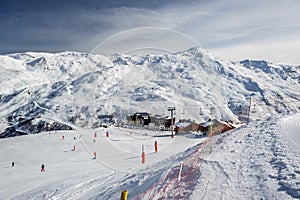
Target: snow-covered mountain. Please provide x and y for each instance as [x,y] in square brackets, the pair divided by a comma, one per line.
[77,89]
[70,90]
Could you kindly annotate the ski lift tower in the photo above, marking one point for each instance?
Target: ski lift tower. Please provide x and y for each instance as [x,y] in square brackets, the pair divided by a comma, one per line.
[171,109]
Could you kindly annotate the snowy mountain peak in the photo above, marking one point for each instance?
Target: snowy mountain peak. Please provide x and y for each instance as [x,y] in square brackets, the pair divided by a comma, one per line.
[77,88]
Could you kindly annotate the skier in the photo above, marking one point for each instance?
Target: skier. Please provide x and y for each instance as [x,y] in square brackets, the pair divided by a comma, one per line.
[42,168]
[12,164]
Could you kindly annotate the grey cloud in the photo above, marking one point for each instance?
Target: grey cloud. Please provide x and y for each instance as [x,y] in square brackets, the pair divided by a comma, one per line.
[81,24]
[62,25]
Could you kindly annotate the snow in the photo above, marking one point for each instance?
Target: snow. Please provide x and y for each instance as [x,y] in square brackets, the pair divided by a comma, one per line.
[253,162]
[91,85]
[258,161]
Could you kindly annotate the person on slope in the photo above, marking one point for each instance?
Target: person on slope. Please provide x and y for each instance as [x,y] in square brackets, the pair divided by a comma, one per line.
[42,168]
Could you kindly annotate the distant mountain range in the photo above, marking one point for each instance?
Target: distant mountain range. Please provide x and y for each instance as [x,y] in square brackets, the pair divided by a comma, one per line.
[70,89]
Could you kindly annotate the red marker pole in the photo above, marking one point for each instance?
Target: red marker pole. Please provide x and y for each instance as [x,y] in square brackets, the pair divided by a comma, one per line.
[155,146]
[143,155]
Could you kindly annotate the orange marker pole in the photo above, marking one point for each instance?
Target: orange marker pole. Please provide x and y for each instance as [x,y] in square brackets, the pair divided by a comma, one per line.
[143,155]
[143,158]
[155,146]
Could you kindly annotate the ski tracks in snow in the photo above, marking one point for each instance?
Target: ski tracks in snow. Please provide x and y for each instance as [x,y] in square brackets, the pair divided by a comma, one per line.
[72,188]
[286,160]
[268,163]
[252,162]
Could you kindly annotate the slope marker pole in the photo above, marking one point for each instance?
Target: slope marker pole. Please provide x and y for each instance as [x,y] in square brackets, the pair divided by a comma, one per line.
[249,108]
[180,171]
[210,127]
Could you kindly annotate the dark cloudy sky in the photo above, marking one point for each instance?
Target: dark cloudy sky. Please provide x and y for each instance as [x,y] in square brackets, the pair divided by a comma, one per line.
[230,29]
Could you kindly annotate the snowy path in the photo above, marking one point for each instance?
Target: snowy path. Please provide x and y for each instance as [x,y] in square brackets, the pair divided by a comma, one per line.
[253,162]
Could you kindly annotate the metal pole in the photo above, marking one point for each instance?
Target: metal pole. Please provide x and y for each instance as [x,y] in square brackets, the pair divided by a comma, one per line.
[172,123]
[171,109]
[210,130]
[249,110]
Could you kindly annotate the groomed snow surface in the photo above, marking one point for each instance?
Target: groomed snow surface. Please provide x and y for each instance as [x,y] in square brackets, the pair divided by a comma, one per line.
[255,161]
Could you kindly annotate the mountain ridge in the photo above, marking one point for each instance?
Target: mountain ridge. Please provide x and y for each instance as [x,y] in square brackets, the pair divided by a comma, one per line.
[84,86]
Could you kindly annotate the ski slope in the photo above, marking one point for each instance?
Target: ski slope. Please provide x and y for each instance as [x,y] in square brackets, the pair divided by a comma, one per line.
[256,161]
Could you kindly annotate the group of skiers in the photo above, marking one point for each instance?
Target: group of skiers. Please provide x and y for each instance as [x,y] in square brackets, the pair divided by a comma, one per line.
[42,167]
[63,137]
